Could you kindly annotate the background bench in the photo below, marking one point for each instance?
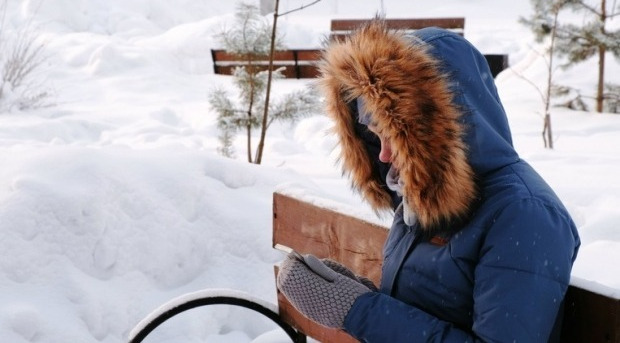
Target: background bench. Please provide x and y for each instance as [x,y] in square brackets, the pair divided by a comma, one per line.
[358,244]
[340,28]
[301,63]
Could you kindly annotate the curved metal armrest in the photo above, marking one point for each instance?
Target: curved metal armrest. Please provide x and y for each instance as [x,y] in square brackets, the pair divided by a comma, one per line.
[205,298]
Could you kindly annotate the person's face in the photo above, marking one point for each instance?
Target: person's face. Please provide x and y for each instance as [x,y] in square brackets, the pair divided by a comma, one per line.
[385,155]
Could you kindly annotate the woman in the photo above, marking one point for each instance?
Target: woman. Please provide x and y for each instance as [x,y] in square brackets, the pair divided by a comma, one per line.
[480,249]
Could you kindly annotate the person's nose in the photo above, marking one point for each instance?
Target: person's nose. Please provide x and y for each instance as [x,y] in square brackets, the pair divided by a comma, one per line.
[385,155]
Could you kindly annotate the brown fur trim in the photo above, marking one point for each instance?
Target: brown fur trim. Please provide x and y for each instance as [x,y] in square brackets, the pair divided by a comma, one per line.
[412,106]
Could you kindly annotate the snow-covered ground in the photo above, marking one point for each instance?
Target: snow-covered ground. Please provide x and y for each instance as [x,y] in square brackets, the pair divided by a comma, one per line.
[114,200]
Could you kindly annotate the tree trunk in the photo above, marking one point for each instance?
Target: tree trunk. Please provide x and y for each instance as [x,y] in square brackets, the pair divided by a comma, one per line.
[601,63]
[601,79]
[547,133]
[263,131]
[249,131]
[252,72]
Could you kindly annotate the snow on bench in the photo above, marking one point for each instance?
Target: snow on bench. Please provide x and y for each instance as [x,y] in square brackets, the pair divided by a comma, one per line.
[297,63]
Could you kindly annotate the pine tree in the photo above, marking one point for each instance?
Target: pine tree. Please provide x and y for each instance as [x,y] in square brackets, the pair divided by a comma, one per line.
[581,42]
[250,38]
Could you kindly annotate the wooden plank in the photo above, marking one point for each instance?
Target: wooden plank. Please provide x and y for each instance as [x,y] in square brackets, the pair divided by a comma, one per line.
[309,229]
[325,233]
[283,55]
[308,54]
[308,72]
[223,55]
[401,23]
[340,28]
[590,317]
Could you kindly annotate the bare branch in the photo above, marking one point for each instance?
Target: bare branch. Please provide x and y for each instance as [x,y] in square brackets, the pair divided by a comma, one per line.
[589,8]
[522,77]
[298,9]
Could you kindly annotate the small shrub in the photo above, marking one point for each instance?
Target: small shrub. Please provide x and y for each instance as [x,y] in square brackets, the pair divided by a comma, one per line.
[21,57]
[249,38]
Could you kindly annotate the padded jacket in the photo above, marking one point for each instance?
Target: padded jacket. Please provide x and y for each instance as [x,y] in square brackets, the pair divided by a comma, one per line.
[490,255]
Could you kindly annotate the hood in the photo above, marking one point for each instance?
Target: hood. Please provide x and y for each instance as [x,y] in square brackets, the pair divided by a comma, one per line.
[432,95]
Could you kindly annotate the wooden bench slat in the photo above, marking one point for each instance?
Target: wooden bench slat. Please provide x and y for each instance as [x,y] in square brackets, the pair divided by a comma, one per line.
[283,55]
[322,232]
[401,24]
[308,54]
[308,72]
[309,229]
[590,317]
[340,28]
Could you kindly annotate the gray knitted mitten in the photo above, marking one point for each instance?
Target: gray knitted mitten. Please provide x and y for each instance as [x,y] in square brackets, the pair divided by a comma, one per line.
[317,291]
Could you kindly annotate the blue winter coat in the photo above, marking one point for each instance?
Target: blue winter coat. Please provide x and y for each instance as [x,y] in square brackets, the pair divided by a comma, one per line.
[493,270]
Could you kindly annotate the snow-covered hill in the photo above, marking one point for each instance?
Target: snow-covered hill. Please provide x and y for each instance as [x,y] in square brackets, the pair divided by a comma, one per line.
[114,200]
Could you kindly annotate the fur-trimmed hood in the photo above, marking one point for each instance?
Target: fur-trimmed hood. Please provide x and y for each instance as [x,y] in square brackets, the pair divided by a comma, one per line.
[433,97]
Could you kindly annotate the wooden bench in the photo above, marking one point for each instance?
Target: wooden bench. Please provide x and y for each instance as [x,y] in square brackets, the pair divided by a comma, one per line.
[301,63]
[340,28]
[358,244]
[298,63]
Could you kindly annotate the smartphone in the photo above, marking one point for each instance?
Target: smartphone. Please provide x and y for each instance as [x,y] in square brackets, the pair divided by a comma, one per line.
[290,251]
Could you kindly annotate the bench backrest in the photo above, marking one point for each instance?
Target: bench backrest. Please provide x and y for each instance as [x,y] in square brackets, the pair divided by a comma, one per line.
[342,27]
[358,244]
[309,229]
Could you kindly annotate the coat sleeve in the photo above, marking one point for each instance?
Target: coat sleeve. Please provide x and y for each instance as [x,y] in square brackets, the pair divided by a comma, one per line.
[520,280]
